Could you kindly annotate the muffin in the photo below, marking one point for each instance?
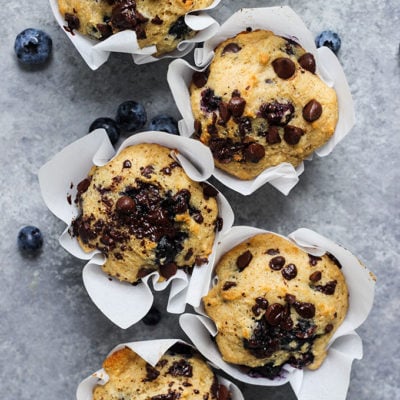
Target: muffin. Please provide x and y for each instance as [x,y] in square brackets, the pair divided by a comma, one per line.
[145,214]
[159,23]
[260,103]
[274,304]
[180,374]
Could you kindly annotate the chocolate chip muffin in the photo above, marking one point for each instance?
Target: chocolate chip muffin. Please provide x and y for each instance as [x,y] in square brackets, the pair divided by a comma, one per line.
[159,23]
[260,103]
[274,304]
[145,214]
[179,374]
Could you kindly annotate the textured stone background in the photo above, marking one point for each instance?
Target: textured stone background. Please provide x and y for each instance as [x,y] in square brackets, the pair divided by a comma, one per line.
[51,334]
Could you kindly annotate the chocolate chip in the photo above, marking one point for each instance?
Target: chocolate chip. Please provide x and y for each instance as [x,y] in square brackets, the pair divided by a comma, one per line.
[223,393]
[209,102]
[228,285]
[277,263]
[144,272]
[83,186]
[305,310]
[254,152]
[105,30]
[181,368]
[328,289]
[284,67]
[151,373]
[289,272]
[236,106]
[147,171]
[328,328]
[292,134]
[231,48]
[272,252]
[198,217]
[127,164]
[219,224]
[334,259]
[157,20]
[125,205]
[209,191]
[272,135]
[197,128]
[290,298]
[244,260]
[168,270]
[72,21]
[199,79]
[273,315]
[200,261]
[312,111]
[315,276]
[224,112]
[313,260]
[307,61]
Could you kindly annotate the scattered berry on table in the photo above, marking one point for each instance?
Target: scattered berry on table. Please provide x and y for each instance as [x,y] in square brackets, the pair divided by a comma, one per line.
[109,125]
[164,123]
[131,116]
[329,39]
[30,239]
[153,317]
[33,46]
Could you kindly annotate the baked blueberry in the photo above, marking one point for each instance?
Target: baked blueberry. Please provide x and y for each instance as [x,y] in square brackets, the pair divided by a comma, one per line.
[164,123]
[109,125]
[329,39]
[30,239]
[33,46]
[131,116]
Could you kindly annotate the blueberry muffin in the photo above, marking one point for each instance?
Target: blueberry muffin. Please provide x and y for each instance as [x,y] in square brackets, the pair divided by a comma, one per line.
[274,304]
[179,374]
[144,214]
[159,23]
[260,103]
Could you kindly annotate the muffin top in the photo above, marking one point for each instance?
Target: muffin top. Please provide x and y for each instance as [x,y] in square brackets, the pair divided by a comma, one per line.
[159,23]
[145,214]
[175,376]
[260,103]
[275,304]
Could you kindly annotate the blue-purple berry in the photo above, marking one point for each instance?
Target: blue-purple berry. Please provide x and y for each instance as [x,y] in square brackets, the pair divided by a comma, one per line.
[110,126]
[329,39]
[164,123]
[30,239]
[131,116]
[33,46]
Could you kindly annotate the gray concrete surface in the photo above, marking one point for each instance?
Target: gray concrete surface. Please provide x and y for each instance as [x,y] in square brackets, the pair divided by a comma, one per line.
[51,334]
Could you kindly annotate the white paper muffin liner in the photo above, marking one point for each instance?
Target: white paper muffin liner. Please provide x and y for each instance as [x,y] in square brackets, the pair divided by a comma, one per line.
[151,351]
[331,380]
[121,302]
[95,53]
[285,22]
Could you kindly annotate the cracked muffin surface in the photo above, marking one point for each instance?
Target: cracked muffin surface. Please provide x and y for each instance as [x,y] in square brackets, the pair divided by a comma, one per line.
[158,23]
[145,214]
[260,103]
[274,304]
[180,374]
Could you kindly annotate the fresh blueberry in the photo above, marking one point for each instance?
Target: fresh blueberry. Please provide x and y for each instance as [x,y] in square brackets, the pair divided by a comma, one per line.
[30,239]
[33,46]
[109,125]
[131,116]
[153,317]
[164,123]
[329,39]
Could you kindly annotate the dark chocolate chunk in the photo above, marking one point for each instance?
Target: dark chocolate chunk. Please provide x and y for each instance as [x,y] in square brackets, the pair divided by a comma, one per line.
[126,164]
[228,285]
[157,20]
[307,61]
[277,263]
[209,191]
[125,205]
[289,272]
[231,48]
[236,106]
[105,30]
[292,134]
[181,368]
[254,152]
[244,260]
[328,328]
[209,102]
[290,298]
[144,272]
[277,113]
[200,260]
[284,67]
[313,260]
[328,289]
[224,149]
[151,373]
[188,255]
[315,276]
[72,21]
[224,112]
[199,79]
[334,259]
[272,252]
[168,270]
[272,135]
[274,313]
[147,171]
[171,395]
[305,310]
[312,110]
[83,186]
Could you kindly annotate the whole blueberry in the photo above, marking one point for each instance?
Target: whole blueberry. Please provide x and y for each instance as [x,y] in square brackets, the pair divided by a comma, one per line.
[164,123]
[109,125]
[329,39]
[33,46]
[30,239]
[153,317]
[131,116]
